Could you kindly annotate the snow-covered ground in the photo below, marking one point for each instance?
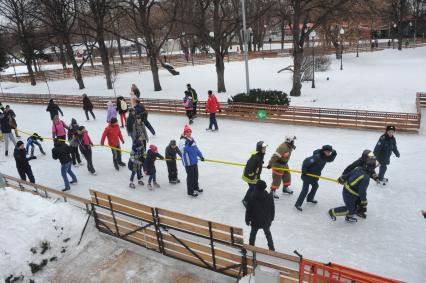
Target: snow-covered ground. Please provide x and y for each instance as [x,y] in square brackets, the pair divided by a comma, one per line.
[30,220]
[390,242]
[384,81]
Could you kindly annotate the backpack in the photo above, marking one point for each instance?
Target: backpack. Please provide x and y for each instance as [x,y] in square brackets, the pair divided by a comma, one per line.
[123,105]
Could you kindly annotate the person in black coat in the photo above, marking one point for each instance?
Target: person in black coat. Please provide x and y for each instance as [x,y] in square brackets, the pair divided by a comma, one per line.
[22,164]
[62,152]
[53,109]
[149,165]
[74,143]
[171,153]
[7,132]
[260,213]
[253,169]
[314,165]
[88,107]
[383,150]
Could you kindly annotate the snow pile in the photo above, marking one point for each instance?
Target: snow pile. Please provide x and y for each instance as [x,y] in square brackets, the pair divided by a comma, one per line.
[385,81]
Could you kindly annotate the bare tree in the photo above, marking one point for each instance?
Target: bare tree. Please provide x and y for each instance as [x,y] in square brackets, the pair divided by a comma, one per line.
[398,10]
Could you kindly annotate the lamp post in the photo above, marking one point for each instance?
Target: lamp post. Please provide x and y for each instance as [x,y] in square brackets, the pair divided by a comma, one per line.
[245,37]
[393,37]
[313,34]
[342,32]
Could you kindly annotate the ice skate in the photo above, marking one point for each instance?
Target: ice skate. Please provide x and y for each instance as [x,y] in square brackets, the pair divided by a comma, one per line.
[286,190]
[350,219]
[140,182]
[132,185]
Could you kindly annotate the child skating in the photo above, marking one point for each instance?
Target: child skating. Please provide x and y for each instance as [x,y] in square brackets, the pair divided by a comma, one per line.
[149,165]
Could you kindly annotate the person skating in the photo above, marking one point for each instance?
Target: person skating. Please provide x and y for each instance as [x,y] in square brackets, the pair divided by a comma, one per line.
[190,154]
[22,164]
[212,106]
[149,165]
[53,109]
[113,133]
[314,165]
[74,142]
[33,140]
[88,107]
[139,131]
[12,119]
[85,144]
[360,162]
[62,152]
[194,96]
[354,189]
[111,111]
[129,123]
[383,151]
[136,163]
[122,109]
[253,169]
[59,128]
[189,108]
[7,133]
[279,160]
[171,153]
[260,213]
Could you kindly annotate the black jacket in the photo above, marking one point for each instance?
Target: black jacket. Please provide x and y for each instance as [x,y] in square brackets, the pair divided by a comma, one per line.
[62,152]
[171,153]
[384,148]
[356,183]
[253,168]
[53,109]
[21,158]
[315,164]
[260,210]
[5,126]
[87,104]
[35,137]
[359,163]
[149,163]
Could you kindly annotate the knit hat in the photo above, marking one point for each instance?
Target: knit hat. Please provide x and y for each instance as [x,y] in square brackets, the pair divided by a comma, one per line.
[114,120]
[390,128]
[261,185]
[172,142]
[153,148]
[187,130]
[19,143]
[327,148]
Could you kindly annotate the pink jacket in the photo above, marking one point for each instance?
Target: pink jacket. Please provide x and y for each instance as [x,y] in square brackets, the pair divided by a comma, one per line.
[86,139]
[58,129]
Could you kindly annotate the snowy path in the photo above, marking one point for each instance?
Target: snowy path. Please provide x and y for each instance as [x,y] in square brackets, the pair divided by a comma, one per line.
[390,242]
[386,81]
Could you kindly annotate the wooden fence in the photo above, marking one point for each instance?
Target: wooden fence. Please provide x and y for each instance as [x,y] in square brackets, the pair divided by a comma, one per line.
[324,117]
[211,245]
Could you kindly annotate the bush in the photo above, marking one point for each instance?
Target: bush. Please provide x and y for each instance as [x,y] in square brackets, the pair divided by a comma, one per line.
[272,97]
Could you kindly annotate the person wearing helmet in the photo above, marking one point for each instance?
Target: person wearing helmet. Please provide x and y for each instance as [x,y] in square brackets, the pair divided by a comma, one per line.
[354,188]
[149,165]
[383,151]
[253,169]
[366,155]
[279,160]
[314,165]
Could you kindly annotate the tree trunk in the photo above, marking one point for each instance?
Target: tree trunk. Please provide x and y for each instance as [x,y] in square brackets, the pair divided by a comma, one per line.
[30,72]
[35,65]
[297,74]
[399,37]
[282,35]
[120,50]
[76,69]
[240,41]
[220,71]
[104,57]
[62,56]
[152,54]
[138,48]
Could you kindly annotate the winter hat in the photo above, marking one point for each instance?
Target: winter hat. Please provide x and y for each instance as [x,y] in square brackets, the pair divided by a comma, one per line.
[19,143]
[187,130]
[210,92]
[153,148]
[187,93]
[390,128]
[114,120]
[327,148]
[261,185]
[172,142]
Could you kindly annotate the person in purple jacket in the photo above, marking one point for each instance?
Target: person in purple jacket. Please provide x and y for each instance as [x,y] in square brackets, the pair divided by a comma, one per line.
[112,112]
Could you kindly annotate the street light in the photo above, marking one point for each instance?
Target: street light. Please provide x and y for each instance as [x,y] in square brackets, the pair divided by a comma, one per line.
[245,35]
[313,34]
[393,39]
[342,32]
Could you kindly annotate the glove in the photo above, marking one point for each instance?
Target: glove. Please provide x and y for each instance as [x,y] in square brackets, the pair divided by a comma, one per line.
[220,110]
[269,167]
[33,157]
[340,180]
[202,159]
[398,155]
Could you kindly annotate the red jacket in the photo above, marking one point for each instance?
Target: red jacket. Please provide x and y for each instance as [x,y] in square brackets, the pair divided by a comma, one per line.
[113,134]
[212,105]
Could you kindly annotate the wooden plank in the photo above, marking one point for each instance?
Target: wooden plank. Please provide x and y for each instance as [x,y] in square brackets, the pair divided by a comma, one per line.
[271,253]
[125,209]
[122,201]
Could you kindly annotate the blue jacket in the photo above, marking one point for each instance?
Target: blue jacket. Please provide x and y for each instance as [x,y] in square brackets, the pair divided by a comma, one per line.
[384,148]
[356,183]
[190,151]
[315,164]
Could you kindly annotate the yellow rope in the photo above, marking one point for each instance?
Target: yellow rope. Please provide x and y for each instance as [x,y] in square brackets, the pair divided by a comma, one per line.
[206,160]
